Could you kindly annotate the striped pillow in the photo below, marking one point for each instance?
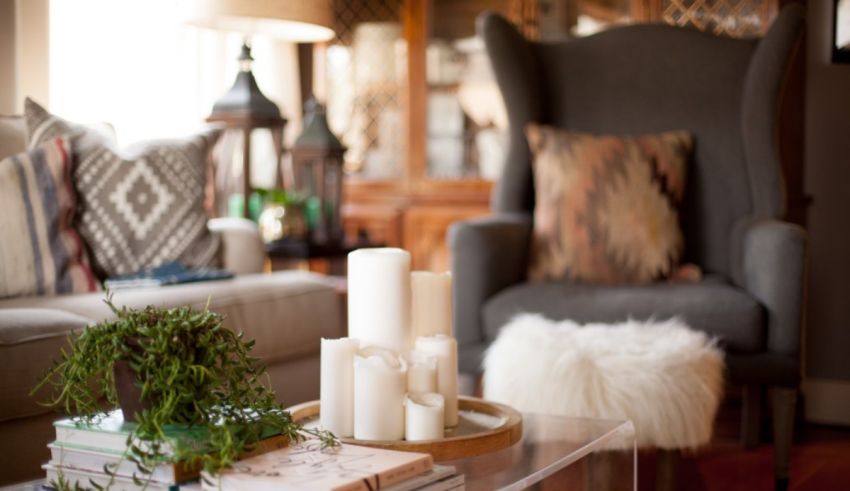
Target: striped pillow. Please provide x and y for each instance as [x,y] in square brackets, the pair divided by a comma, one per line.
[40,253]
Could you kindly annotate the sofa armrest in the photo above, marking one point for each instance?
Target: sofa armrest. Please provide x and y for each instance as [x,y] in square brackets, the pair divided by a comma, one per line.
[774,257]
[243,252]
[488,255]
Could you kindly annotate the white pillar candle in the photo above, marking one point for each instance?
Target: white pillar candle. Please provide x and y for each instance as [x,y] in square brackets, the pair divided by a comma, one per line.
[422,373]
[431,303]
[444,348]
[336,386]
[424,416]
[380,383]
[379,298]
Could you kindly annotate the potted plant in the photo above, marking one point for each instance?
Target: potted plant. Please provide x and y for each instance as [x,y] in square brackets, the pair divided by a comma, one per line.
[168,367]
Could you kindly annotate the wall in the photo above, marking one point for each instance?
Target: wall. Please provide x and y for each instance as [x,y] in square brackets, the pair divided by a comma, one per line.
[8,91]
[23,53]
[827,350]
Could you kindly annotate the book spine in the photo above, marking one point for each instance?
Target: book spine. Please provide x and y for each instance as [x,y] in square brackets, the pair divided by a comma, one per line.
[388,478]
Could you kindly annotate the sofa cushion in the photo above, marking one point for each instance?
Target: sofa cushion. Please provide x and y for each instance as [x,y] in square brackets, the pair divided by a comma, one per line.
[40,251]
[285,312]
[142,208]
[711,305]
[607,207]
[29,340]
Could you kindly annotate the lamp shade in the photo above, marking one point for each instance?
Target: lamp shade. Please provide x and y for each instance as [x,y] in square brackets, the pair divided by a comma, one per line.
[292,20]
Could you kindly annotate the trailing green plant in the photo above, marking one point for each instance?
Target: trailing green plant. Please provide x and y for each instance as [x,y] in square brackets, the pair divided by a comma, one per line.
[192,371]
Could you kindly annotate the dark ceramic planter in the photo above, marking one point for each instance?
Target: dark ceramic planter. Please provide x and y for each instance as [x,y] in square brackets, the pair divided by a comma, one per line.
[129,392]
[127,387]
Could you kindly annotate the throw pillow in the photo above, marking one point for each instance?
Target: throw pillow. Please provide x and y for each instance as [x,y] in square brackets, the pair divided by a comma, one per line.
[40,252]
[140,210]
[42,126]
[606,206]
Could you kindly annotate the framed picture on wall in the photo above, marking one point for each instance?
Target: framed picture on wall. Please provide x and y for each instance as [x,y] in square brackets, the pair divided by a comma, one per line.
[841,32]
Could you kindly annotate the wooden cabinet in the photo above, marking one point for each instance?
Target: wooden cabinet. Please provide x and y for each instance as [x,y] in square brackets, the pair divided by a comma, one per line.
[413,207]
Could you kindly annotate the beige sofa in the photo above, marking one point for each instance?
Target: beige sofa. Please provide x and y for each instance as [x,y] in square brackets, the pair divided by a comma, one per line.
[286,313]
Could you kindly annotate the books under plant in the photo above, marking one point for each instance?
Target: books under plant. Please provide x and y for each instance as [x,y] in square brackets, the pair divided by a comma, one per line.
[306,466]
[100,448]
[91,480]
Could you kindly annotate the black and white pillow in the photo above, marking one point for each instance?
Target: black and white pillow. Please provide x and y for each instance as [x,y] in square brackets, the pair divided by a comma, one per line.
[141,209]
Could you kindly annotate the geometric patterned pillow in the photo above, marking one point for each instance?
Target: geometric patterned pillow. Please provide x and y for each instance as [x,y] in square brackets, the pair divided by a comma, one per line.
[607,207]
[141,211]
[40,252]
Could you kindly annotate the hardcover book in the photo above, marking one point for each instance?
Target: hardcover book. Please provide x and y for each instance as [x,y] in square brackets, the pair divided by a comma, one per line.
[308,467]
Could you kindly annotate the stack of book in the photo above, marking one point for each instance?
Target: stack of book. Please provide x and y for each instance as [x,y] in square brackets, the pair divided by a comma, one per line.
[96,455]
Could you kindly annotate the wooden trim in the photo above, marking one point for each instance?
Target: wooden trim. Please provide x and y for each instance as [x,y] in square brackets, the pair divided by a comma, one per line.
[416,20]
[640,10]
[827,400]
[305,71]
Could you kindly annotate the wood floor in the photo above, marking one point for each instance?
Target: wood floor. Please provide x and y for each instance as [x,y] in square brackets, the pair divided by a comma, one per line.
[820,460]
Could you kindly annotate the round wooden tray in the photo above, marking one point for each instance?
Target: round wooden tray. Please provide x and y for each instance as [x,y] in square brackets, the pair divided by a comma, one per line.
[483,427]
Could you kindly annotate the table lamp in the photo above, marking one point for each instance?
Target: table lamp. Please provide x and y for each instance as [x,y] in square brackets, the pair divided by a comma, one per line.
[244,107]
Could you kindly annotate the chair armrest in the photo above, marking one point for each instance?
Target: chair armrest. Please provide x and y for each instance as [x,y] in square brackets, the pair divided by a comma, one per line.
[243,252]
[774,268]
[488,255]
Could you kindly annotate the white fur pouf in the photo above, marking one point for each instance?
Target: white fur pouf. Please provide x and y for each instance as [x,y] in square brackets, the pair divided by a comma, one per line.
[664,377]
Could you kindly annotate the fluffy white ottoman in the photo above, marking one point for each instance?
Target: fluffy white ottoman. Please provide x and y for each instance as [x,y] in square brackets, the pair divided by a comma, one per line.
[664,377]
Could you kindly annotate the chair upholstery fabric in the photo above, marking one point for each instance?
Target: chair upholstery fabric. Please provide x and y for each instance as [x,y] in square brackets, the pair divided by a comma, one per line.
[711,305]
[646,79]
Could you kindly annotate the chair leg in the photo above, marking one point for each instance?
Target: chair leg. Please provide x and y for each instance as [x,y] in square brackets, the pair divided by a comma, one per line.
[751,416]
[784,400]
[666,468]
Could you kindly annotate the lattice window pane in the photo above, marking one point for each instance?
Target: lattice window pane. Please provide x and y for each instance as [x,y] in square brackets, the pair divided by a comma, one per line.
[736,18]
[365,67]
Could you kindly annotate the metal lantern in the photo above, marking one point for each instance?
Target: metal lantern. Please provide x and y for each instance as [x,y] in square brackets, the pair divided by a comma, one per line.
[317,158]
[244,108]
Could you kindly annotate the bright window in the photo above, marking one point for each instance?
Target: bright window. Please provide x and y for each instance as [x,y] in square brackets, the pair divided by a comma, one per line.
[136,65]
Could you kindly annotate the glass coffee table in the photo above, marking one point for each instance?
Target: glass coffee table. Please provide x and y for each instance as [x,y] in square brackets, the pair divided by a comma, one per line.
[568,453]
[573,453]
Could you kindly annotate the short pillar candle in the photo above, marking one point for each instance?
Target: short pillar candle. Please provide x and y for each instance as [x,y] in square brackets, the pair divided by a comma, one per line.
[336,386]
[424,416]
[444,348]
[380,384]
[422,373]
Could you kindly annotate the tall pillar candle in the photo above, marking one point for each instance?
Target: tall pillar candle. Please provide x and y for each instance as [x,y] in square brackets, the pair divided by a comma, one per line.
[424,416]
[422,373]
[431,303]
[379,298]
[380,384]
[336,386]
[444,348]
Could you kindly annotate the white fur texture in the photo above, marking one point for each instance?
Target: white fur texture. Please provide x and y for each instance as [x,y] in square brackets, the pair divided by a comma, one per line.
[664,377]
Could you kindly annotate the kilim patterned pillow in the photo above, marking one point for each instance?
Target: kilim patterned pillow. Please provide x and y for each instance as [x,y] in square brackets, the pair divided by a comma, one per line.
[140,211]
[40,252]
[606,207]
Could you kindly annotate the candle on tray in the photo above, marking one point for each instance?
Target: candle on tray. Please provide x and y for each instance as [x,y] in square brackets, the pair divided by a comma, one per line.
[431,303]
[336,385]
[380,384]
[422,373]
[379,298]
[424,416]
[444,348]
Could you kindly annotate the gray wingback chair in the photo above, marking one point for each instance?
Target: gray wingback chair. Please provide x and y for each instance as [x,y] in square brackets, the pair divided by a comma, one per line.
[647,79]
